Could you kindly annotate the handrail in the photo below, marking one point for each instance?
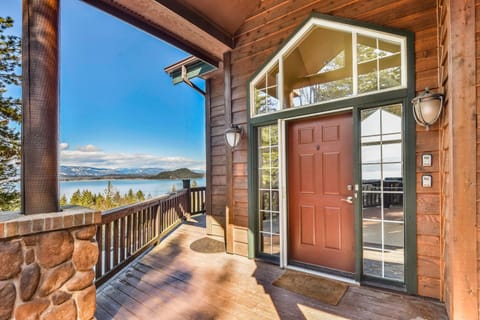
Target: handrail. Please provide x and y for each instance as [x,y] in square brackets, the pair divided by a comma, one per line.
[128,231]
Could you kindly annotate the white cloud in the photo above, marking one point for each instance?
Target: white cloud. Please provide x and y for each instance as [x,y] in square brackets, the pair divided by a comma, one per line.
[91,156]
[88,148]
[64,146]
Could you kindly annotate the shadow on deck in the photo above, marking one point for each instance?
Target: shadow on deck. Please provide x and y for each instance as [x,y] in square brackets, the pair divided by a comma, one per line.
[174,282]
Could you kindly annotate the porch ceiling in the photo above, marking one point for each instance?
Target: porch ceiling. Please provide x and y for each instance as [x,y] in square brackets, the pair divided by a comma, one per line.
[202,28]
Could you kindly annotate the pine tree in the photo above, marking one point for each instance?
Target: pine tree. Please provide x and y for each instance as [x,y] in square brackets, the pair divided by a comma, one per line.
[10,117]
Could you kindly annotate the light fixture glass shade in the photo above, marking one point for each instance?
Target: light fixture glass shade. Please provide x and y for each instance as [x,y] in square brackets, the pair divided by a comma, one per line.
[427,108]
[233,135]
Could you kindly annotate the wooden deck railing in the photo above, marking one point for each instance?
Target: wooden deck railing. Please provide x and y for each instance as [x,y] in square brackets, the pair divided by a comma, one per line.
[197,200]
[128,231]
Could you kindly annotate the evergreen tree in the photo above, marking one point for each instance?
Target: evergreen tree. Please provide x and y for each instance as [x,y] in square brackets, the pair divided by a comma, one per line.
[76,197]
[10,117]
[140,195]
[63,200]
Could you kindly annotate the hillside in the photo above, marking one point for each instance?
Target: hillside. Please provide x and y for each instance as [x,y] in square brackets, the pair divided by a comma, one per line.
[182,173]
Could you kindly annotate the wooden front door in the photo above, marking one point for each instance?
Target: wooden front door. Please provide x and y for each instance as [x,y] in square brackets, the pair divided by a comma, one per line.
[320,179]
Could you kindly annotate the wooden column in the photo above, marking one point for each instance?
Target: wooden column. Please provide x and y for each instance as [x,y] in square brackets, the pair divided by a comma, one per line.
[227,67]
[460,232]
[40,106]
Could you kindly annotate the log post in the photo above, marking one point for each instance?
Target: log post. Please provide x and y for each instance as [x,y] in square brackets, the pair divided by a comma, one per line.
[40,106]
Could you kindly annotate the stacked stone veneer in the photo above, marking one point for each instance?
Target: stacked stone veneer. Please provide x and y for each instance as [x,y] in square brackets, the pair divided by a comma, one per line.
[48,273]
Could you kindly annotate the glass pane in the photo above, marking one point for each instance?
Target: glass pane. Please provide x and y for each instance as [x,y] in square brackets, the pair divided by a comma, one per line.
[370,122]
[393,234]
[393,172]
[275,201]
[265,243]
[392,119]
[372,234]
[367,81]
[389,54]
[266,93]
[393,208]
[264,179]
[264,200]
[371,153]
[263,137]
[275,245]
[392,152]
[372,262]
[275,223]
[372,206]
[264,158]
[314,72]
[371,173]
[394,270]
[274,157]
[274,178]
[274,135]
[265,224]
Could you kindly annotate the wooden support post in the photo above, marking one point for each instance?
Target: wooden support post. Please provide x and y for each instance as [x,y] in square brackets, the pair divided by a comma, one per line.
[461,234]
[229,211]
[40,106]
[186,185]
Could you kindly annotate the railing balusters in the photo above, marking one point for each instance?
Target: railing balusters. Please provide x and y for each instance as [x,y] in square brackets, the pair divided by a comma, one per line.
[100,261]
[123,221]
[128,231]
[115,242]
[108,246]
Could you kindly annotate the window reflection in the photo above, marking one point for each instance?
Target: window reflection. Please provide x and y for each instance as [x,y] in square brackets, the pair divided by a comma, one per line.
[382,192]
[316,72]
[268,194]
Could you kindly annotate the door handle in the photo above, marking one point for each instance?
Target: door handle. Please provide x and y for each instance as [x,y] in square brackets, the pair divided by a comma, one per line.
[349,199]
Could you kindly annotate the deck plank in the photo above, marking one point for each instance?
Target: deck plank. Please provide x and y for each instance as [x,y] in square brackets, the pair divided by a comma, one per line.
[174,282]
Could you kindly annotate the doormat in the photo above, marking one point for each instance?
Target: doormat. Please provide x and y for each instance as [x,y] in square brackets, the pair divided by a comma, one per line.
[322,289]
[207,245]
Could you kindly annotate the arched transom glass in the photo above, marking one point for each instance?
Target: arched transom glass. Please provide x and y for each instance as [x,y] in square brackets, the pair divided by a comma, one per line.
[326,61]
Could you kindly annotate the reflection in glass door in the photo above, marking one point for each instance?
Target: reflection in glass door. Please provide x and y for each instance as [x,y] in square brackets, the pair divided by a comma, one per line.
[382,189]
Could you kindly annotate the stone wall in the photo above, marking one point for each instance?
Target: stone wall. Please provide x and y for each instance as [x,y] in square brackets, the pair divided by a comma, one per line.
[49,274]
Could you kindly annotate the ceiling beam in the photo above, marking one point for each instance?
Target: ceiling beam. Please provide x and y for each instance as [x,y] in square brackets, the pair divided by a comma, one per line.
[200,21]
[155,30]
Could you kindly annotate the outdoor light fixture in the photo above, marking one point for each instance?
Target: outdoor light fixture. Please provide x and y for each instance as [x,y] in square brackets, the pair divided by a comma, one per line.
[427,108]
[233,135]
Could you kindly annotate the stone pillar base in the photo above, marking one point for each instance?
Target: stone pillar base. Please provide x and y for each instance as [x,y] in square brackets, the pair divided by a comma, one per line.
[46,265]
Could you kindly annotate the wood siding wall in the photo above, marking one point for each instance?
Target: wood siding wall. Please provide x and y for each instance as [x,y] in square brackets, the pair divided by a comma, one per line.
[260,35]
[477,54]
[217,170]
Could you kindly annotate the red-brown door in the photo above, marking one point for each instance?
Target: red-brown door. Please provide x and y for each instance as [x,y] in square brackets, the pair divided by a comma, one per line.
[320,179]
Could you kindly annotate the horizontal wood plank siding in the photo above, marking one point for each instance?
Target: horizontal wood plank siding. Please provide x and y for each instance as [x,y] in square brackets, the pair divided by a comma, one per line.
[477,53]
[217,158]
[261,35]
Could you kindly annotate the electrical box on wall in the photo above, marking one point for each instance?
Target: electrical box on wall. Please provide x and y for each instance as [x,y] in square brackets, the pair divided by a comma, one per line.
[427,160]
[426,181]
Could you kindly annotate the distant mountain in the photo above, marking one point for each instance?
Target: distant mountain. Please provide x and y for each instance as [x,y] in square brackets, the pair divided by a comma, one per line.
[182,173]
[78,171]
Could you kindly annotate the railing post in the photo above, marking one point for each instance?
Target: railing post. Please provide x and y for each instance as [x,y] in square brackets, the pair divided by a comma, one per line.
[186,185]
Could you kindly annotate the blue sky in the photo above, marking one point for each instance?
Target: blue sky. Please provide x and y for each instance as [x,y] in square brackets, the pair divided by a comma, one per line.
[118,108]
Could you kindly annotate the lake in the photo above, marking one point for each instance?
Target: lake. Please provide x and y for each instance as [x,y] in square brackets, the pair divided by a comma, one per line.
[148,187]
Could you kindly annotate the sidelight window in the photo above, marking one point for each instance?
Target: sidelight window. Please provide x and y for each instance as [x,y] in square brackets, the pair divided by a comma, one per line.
[382,188]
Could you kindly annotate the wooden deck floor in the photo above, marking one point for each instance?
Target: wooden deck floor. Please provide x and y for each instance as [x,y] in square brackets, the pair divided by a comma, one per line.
[174,282]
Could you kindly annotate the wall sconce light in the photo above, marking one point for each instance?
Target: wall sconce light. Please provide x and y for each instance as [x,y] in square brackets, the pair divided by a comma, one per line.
[427,108]
[233,135]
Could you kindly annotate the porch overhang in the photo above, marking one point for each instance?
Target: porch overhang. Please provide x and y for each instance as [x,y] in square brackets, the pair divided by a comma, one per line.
[204,29]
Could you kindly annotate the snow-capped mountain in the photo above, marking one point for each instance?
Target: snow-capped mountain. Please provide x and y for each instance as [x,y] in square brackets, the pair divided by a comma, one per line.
[74,171]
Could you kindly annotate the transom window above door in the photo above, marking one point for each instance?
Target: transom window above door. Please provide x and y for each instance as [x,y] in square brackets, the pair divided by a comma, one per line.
[327,60]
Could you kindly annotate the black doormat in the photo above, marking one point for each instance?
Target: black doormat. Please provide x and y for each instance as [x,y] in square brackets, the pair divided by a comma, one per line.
[322,289]
[207,245]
